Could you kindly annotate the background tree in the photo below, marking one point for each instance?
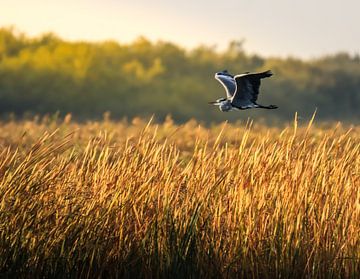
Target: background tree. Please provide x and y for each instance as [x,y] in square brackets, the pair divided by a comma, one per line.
[47,74]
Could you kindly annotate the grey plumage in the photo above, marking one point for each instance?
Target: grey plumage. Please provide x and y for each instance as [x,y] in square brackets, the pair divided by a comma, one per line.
[227,81]
[241,90]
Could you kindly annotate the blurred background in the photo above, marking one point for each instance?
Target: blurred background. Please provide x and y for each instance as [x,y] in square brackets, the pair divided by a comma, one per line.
[143,58]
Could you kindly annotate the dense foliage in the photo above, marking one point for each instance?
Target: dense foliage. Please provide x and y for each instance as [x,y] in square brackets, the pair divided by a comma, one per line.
[47,74]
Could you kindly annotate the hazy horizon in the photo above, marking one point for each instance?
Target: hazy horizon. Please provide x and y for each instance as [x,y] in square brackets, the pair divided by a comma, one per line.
[278,28]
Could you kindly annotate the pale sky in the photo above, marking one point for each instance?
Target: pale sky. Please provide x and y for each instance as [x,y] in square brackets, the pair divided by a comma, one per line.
[301,28]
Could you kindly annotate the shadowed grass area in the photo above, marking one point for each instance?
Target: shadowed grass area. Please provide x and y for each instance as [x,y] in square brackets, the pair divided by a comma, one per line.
[125,200]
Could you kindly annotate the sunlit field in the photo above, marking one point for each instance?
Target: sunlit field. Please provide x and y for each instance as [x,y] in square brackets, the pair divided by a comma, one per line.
[132,199]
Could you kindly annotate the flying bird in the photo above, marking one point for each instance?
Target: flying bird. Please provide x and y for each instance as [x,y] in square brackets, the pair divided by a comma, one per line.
[241,90]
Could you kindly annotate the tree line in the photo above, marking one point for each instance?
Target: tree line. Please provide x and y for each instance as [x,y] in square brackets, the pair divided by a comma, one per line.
[46,74]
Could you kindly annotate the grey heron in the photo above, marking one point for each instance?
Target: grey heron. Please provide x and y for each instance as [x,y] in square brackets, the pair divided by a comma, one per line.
[241,90]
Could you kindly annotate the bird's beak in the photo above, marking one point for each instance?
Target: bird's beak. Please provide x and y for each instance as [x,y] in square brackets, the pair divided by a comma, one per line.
[212,103]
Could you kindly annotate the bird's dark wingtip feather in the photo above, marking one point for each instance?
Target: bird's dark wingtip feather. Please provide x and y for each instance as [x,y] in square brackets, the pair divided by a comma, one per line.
[268,73]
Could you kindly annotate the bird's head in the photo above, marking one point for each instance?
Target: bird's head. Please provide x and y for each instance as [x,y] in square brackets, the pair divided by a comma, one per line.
[218,102]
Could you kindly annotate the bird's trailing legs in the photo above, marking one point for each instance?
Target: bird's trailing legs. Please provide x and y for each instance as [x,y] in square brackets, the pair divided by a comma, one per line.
[267,107]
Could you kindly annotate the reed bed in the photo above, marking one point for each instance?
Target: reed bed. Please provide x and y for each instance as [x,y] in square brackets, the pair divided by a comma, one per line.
[144,200]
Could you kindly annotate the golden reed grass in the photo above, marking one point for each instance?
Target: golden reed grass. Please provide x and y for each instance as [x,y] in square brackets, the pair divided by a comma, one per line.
[125,200]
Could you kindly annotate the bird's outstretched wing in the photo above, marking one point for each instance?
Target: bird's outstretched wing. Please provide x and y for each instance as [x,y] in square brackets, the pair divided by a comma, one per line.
[247,88]
[227,81]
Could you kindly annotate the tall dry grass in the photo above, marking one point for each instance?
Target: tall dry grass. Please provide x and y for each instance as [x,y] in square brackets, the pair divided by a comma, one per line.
[126,200]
